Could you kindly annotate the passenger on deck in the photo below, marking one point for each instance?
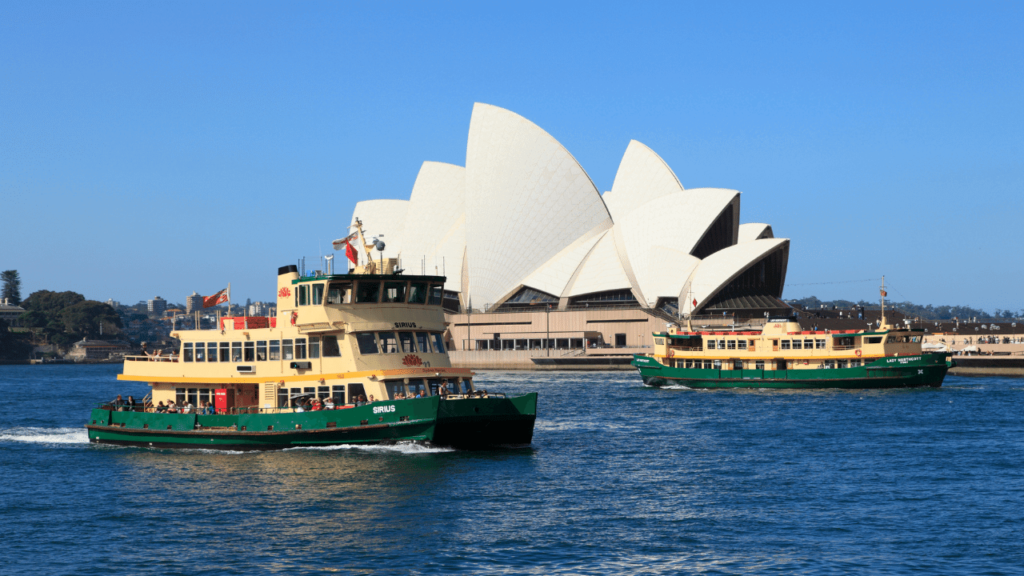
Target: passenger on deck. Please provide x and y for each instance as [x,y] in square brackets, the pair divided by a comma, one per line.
[328,403]
[444,389]
[371,399]
[317,406]
[361,400]
[118,403]
[160,408]
[208,410]
[188,408]
[419,394]
[130,404]
[172,408]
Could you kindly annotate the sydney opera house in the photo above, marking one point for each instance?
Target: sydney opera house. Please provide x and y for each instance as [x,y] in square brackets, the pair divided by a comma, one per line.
[539,261]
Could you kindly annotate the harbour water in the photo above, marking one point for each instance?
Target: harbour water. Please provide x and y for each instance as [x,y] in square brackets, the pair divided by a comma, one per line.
[620,479]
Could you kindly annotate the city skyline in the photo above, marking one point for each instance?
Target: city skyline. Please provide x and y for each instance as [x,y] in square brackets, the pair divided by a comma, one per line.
[160,149]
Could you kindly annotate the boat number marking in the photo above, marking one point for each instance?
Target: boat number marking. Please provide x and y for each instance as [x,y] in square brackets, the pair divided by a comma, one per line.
[383,409]
[405,324]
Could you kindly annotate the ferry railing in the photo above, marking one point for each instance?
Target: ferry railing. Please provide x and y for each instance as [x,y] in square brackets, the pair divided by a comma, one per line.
[151,358]
[843,348]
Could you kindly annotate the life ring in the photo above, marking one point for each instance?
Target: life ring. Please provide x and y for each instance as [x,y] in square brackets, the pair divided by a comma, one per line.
[858,353]
[805,362]
[295,316]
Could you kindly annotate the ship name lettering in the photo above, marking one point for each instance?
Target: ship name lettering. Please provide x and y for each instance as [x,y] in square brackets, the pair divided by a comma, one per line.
[405,324]
[383,409]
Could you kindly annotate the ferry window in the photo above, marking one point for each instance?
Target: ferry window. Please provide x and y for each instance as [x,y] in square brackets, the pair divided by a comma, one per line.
[211,351]
[282,397]
[854,363]
[731,345]
[367,343]
[318,294]
[689,363]
[808,344]
[711,344]
[179,396]
[331,349]
[759,365]
[890,340]
[438,342]
[874,340]
[261,350]
[368,291]
[225,352]
[416,387]
[388,343]
[338,394]
[250,352]
[721,344]
[286,350]
[830,364]
[339,293]
[354,392]
[308,392]
[193,396]
[200,352]
[323,392]
[708,365]
[407,342]
[842,363]
[417,292]
[741,344]
[394,292]
[796,345]
[303,293]
[204,395]
[819,344]
[785,344]
[275,349]
[436,294]
[236,351]
[186,354]
[717,365]
[395,388]
[300,348]
[314,347]
[423,344]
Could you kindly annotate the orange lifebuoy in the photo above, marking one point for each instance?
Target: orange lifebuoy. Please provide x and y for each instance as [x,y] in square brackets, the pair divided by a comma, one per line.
[805,362]
[857,352]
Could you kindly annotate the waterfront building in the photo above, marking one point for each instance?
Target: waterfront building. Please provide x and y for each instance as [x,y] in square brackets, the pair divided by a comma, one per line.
[525,237]
[156,305]
[98,349]
[10,313]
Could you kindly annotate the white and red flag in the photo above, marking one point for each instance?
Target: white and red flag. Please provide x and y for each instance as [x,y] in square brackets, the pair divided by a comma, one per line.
[218,298]
[350,252]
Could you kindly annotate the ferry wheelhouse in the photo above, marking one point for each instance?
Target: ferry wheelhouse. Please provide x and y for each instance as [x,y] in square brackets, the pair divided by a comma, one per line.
[369,342]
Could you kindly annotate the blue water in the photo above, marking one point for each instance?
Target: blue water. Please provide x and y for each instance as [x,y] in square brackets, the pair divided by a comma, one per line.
[620,479]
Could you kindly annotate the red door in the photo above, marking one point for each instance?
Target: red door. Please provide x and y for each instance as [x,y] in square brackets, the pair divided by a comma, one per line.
[224,400]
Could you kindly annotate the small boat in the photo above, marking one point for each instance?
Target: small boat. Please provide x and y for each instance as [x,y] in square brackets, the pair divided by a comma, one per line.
[785,355]
[355,358]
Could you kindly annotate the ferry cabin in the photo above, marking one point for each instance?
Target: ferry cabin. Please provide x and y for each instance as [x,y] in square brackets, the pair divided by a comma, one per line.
[342,336]
[782,345]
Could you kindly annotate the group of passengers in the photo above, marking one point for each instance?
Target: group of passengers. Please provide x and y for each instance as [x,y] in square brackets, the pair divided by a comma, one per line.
[186,407]
[119,404]
[410,396]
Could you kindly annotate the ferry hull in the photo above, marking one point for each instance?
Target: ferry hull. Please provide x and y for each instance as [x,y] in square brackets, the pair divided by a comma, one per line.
[462,423]
[925,370]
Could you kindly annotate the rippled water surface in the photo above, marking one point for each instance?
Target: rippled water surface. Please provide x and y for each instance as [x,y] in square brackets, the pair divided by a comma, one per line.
[620,479]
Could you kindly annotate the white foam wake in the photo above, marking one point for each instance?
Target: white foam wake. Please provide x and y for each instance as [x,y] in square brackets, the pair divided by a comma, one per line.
[45,435]
[401,448]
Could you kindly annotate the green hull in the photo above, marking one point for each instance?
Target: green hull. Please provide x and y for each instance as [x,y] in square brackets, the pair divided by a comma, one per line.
[471,422]
[924,370]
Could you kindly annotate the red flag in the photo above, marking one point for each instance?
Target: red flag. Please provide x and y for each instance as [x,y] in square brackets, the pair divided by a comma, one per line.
[351,253]
[884,293]
[694,302]
[217,298]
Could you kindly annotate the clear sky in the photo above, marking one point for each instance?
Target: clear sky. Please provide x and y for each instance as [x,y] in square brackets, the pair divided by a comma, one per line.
[156,148]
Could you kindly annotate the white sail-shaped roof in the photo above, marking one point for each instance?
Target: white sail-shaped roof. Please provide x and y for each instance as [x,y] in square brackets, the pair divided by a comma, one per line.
[642,177]
[383,218]
[677,222]
[527,199]
[754,231]
[434,236]
[600,271]
[554,276]
[717,270]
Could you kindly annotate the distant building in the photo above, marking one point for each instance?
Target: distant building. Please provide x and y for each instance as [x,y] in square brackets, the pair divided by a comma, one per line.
[98,349]
[10,313]
[258,309]
[113,303]
[156,305]
[193,303]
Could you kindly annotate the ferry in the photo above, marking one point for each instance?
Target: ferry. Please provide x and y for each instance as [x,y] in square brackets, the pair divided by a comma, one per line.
[354,358]
[785,355]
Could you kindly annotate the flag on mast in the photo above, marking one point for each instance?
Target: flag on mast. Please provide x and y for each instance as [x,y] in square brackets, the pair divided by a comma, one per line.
[218,298]
[350,252]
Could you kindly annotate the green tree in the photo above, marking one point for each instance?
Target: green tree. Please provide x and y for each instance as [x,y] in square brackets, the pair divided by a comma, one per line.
[13,346]
[12,286]
[85,318]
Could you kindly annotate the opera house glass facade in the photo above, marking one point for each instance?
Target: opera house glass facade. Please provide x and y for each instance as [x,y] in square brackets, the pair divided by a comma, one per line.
[521,228]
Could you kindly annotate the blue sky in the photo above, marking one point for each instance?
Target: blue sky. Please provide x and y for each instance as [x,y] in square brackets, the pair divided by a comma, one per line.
[159,148]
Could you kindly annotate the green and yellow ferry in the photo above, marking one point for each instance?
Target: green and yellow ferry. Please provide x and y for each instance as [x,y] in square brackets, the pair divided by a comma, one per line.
[366,350]
[784,355]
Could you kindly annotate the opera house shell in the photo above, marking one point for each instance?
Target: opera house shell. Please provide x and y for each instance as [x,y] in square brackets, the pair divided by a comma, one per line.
[522,226]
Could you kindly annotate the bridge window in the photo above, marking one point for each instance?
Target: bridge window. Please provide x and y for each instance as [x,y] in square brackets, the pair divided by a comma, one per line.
[785,345]
[407,342]
[339,293]
[438,342]
[302,293]
[286,349]
[211,351]
[424,344]
[874,340]
[250,351]
[261,350]
[275,349]
[808,344]
[318,294]
[236,351]
[225,352]
[300,348]
[417,292]
[186,354]
[797,345]
[820,344]
[741,344]
[200,352]
[314,347]
[711,344]
[394,292]
[388,342]
[731,345]
[368,292]
[331,349]
[436,294]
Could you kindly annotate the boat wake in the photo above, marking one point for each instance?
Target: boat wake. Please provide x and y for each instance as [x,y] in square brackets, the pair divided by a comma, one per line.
[45,435]
[400,448]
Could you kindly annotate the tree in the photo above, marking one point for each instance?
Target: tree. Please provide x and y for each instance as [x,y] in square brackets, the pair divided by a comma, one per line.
[12,286]
[85,318]
[13,346]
